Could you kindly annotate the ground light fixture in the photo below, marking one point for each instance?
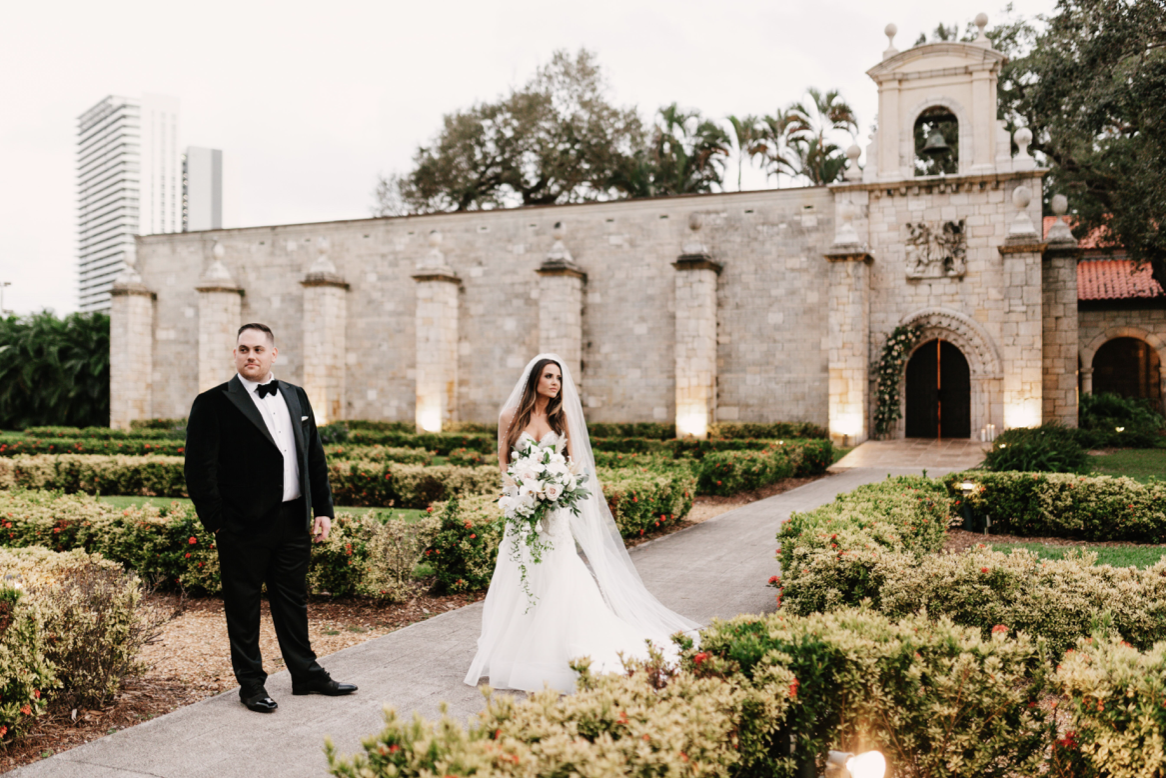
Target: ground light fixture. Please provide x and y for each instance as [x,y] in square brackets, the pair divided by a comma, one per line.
[841,764]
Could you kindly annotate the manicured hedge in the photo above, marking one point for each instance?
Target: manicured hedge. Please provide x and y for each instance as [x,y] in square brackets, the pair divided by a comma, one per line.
[440,443]
[463,553]
[1064,505]
[159,476]
[729,472]
[26,676]
[407,486]
[935,698]
[168,546]
[404,456]
[770,430]
[105,433]
[10,447]
[157,424]
[877,543]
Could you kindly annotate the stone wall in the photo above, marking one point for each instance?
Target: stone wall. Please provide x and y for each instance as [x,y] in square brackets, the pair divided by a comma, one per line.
[770,302]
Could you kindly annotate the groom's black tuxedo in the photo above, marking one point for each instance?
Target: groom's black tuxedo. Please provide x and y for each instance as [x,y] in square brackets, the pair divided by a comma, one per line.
[235,477]
[234,470]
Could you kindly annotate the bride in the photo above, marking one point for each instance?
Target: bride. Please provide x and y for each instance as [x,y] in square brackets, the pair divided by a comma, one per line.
[573,611]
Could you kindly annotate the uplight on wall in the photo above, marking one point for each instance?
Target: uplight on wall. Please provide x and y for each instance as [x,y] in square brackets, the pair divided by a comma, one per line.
[1024,413]
[846,426]
[429,419]
[693,423]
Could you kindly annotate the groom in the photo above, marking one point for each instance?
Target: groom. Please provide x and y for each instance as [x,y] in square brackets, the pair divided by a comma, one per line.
[255,471]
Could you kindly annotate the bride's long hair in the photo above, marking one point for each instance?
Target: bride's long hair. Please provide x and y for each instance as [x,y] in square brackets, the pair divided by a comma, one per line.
[529,401]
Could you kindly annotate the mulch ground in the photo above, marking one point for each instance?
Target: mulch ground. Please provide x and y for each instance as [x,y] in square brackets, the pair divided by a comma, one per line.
[191,660]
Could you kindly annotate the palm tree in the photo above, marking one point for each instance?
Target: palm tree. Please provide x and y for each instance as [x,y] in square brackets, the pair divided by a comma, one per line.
[54,371]
[773,144]
[747,131]
[819,160]
[686,155]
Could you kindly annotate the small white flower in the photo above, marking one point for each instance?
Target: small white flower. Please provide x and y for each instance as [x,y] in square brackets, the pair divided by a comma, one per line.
[553,492]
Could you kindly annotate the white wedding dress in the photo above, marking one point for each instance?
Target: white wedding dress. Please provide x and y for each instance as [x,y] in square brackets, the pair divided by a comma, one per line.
[526,646]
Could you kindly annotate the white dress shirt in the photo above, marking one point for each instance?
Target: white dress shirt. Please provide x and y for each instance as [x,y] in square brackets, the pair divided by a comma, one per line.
[274,411]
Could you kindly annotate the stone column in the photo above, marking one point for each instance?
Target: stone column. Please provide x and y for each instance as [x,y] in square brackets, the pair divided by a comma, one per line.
[437,335]
[131,347]
[696,335]
[848,314]
[560,306]
[220,310]
[1059,298]
[1021,338]
[325,322]
[1087,381]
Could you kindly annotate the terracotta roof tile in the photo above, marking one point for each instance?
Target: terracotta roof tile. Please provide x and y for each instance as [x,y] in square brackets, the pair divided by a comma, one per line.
[1111,279]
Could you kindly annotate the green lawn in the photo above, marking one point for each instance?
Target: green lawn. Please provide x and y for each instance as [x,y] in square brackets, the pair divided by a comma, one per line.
[408,514]
[1141,464]
[1116,556]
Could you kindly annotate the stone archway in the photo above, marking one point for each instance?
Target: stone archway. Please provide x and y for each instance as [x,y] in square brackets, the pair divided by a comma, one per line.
[1089,352]
[986,371]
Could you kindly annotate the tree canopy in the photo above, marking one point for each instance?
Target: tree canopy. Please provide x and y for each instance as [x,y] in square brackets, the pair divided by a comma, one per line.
[1093,91]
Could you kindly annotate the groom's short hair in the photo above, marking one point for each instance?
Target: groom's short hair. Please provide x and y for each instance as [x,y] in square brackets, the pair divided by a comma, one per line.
[257,326]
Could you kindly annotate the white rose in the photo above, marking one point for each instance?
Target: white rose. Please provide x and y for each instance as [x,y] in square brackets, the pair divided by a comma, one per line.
[554,491]
[557,468]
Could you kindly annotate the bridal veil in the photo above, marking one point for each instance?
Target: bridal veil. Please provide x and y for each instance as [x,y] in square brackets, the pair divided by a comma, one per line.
[594,528]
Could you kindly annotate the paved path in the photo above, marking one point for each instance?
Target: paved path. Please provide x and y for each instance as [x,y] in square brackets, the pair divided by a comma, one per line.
[715,569]
[949,454]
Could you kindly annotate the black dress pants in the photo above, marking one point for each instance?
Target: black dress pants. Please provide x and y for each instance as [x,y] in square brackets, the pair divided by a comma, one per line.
[276,554]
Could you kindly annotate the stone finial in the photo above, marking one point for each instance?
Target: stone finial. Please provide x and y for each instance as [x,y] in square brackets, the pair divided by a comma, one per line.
[853,173]
[1022,224]
[981,21]
[694,246]
[433,266]
[559,260]
[1023,160]
[129,276]
[323,264]
[846,235]
[1060,233]
[216,277]
[559,252]
[890,31]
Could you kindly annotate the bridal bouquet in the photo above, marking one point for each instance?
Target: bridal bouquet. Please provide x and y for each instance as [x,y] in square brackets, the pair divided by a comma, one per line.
[540,480]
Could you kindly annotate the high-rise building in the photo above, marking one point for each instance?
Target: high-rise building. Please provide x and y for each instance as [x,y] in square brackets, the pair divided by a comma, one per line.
[128,183]
[202,189]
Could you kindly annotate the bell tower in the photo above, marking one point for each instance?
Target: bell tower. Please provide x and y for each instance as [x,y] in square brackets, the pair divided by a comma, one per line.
[954,82]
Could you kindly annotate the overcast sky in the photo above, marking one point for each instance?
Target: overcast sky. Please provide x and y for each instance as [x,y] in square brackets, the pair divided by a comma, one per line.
[310,101]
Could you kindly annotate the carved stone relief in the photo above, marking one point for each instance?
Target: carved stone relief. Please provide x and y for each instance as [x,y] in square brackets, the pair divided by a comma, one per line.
[937,251]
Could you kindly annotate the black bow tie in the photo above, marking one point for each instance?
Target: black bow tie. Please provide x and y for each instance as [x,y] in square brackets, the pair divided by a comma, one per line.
[271,387]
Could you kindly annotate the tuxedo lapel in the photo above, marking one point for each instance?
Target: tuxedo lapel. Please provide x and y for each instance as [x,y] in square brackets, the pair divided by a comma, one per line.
[292,398]
[238,395]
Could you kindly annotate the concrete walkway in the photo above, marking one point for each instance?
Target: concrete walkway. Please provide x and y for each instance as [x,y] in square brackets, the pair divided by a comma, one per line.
[717,569]
[949,454]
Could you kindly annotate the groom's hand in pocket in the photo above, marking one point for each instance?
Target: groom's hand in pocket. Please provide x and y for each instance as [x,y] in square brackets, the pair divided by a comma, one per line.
[320,528]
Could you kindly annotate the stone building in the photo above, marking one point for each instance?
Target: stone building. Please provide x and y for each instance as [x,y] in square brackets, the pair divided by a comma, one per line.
[752,306]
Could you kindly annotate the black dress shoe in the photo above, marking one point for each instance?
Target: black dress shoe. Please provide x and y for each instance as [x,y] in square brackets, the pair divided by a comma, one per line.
[327,687]
[258,701]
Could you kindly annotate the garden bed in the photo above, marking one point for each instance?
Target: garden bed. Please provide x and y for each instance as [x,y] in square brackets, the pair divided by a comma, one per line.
[191,661]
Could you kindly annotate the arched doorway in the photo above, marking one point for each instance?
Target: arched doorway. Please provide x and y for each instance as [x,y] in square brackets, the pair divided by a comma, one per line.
[1130,368]
[938,392]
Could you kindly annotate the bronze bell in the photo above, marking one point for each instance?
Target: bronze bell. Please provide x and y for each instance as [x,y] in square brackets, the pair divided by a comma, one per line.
[935,146]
